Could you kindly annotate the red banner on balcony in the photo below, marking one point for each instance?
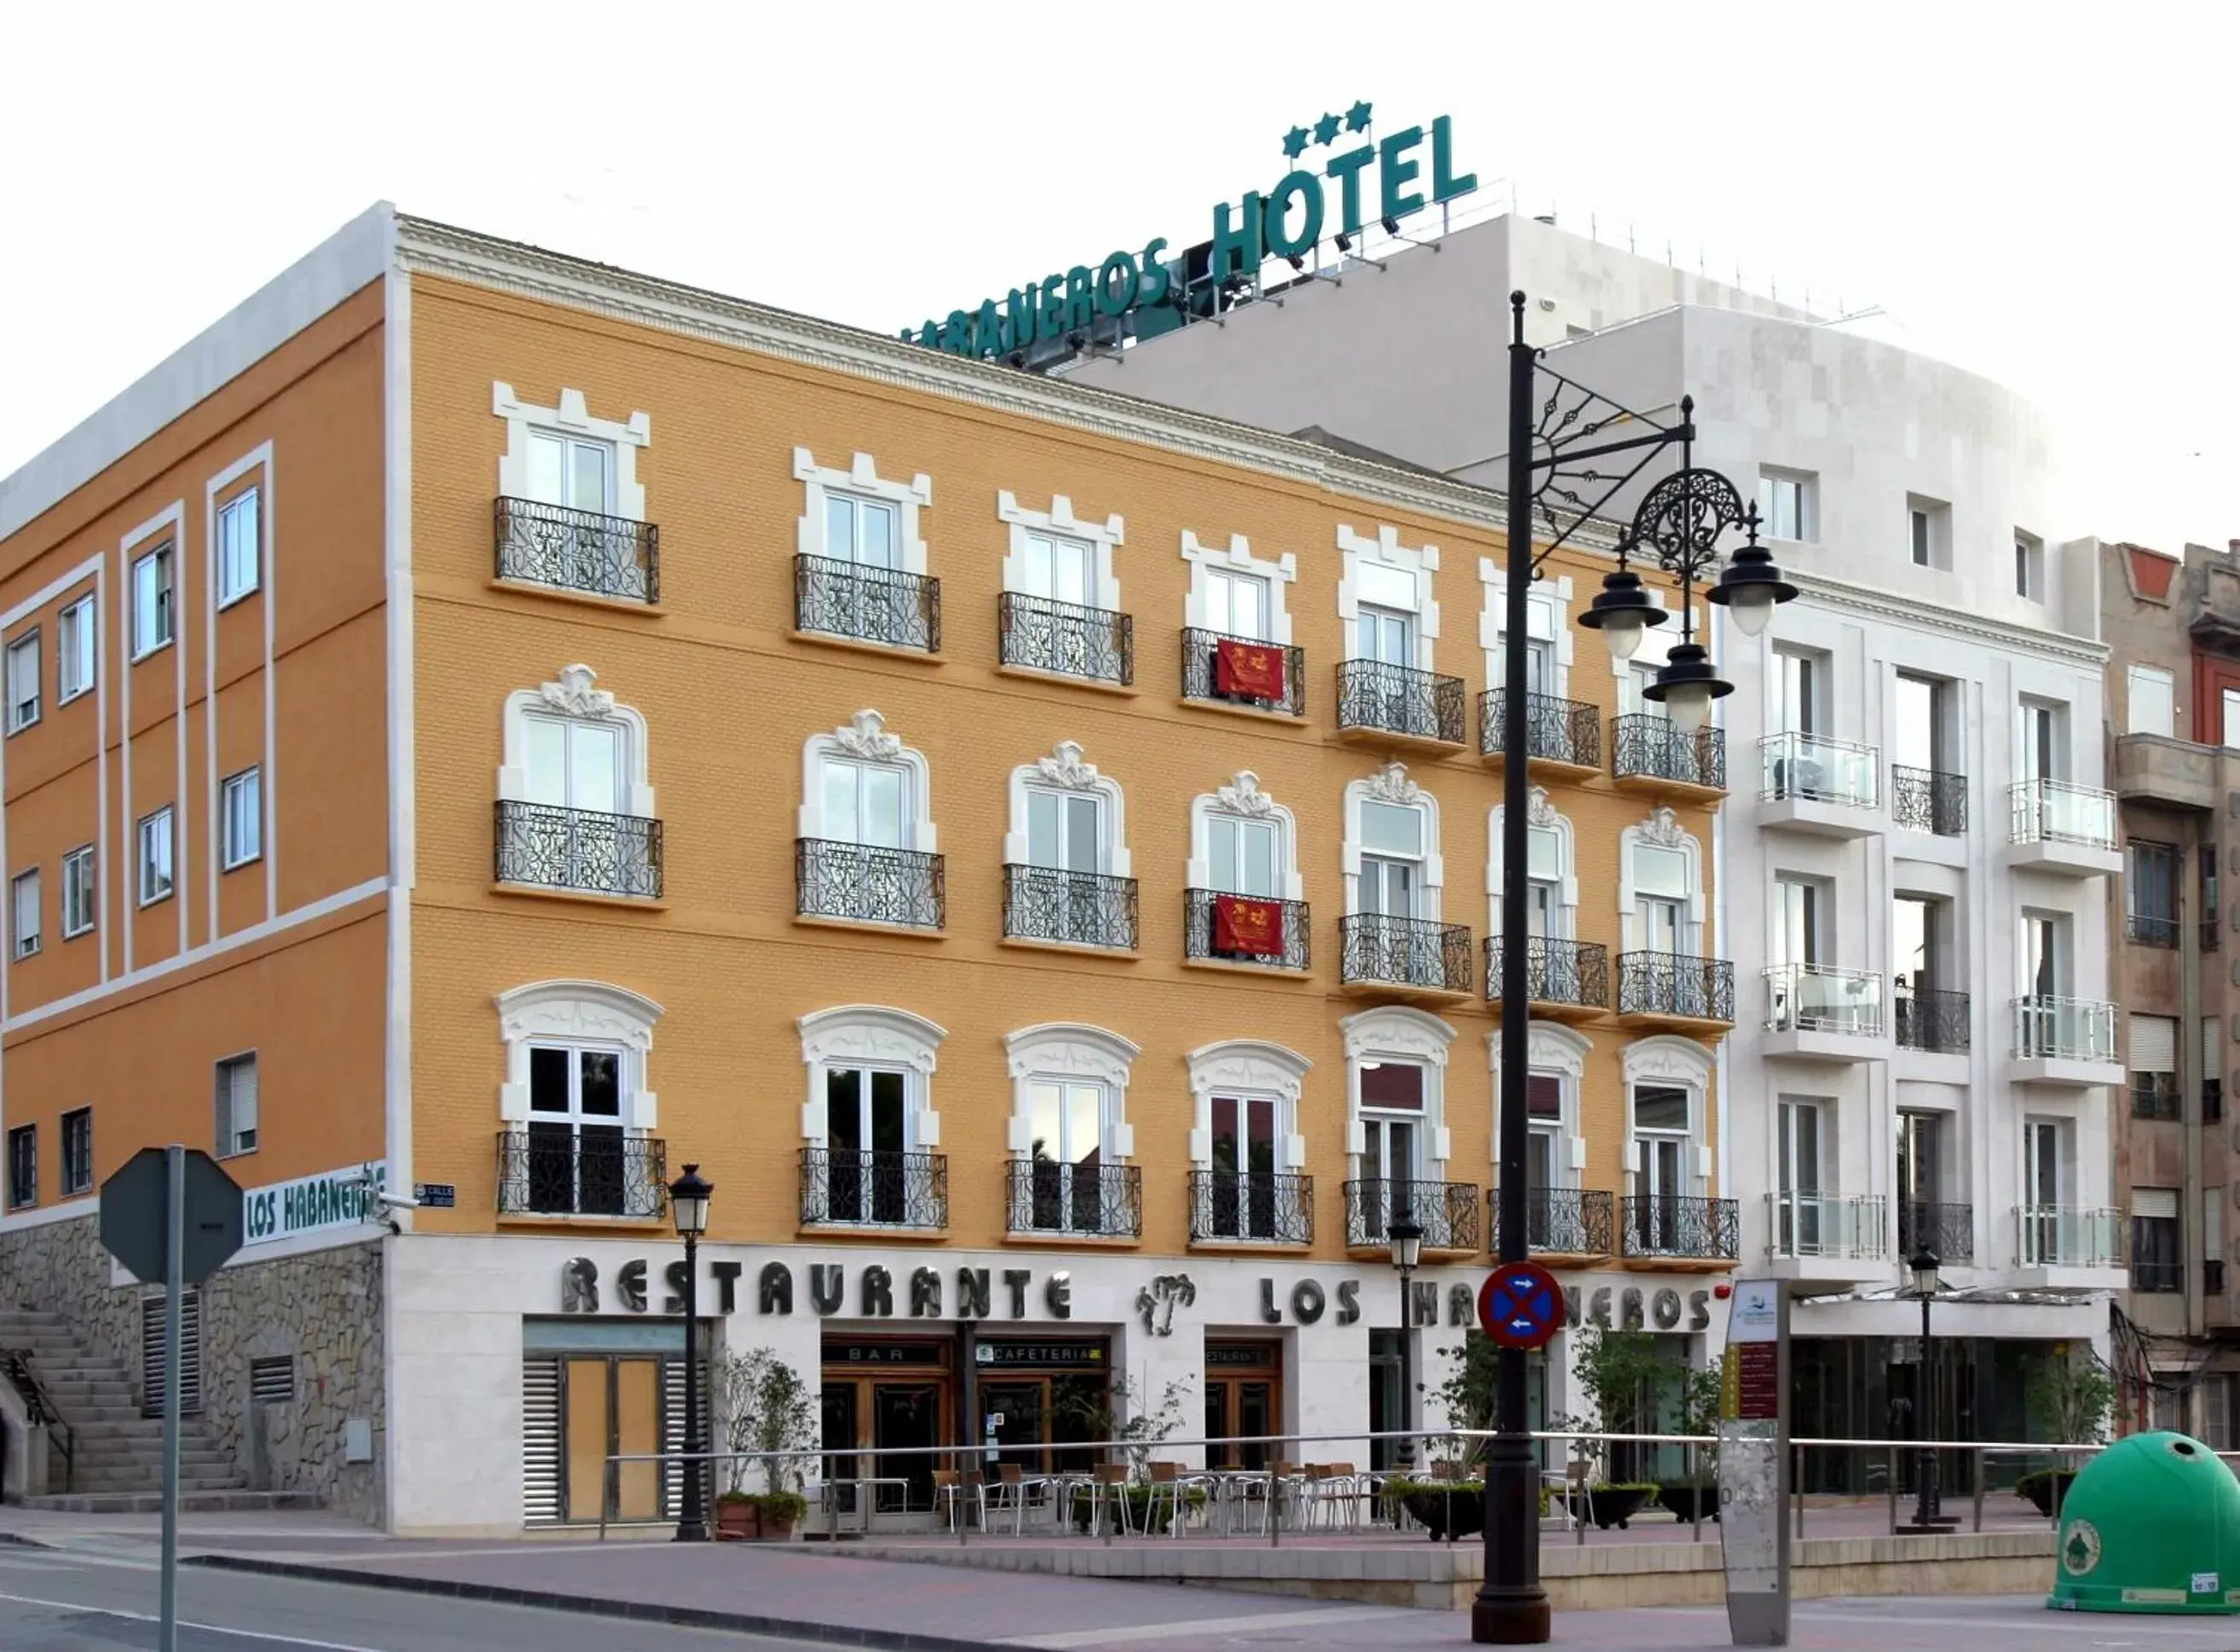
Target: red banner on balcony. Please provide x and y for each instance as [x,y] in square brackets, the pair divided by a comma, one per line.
[1254,927]
[1256,668]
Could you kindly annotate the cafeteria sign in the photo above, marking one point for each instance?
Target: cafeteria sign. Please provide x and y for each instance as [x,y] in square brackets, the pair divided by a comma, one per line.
[310,1203]
[1286,222]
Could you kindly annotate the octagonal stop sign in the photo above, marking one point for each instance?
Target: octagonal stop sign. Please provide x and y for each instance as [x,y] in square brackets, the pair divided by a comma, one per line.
[135,1203]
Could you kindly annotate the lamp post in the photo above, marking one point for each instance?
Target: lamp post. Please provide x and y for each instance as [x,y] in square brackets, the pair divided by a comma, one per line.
[1405,1235]
[1923,1262]
[1555,441]
[688,1202]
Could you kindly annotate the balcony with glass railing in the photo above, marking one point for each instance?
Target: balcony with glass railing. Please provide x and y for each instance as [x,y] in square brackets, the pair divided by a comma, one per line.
[1825,1236]
[1817,1010]
[1827,787]
[2066,1040]
[2065,1244]
[2057,827]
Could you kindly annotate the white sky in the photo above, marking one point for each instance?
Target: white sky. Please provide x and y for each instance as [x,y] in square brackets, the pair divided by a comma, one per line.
[2041,192]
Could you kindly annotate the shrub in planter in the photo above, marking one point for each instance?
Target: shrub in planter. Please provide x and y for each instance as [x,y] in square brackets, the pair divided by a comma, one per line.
[750,1516]
[1609,1505]
[1143,1514]
[2044,1489]
[1683,1498]
[1440,1507]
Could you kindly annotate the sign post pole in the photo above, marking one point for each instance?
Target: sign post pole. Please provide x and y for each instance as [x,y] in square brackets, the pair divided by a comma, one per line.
[174,1246]
[1753,1464]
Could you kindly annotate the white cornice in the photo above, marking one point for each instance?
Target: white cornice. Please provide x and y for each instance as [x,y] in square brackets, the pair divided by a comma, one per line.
[1883,604]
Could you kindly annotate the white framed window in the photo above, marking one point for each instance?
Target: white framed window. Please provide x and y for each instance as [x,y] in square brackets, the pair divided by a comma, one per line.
[2029,566]
[1396,1076]
[1069,1086]
[1236,604]
[1788,503]
[1549,637]
[1804,1142]
[854,515]
[864,803]
[863,531]
[870,1111]
[1551,893]
[1242,841]
[1245,1127]
[1234,593]
[1928,531]
[240,548]
[1667,1085]
[23,905]
[1384,597]
[152,618]
[23,681]
[236,1105]
[241,818]
[1660,886]
[155,857]
[1067,813]
[77,634]
[866,824]
[2150,701]
[1556,1058]
[574,472]
[1059,555]
[79,868]
[562,456]
[1390,855]
[569,744]
[576,1015]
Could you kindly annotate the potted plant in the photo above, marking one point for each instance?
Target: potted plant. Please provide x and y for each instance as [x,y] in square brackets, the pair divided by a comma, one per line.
[1696,1496]
[1442,1508]
[1608,1503]
[2068,1396]
[762,1406]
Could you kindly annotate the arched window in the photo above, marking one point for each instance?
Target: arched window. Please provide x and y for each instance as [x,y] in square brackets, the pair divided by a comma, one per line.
[1068,877]
[1245,1146]
[869,1119]
[1069,1132]
[866,827]
[1660,887]
[1390,855]
[1243,887]
[1556,1061]
[576,1101]
[1396,1061]
[1551,860]
[1667,1093]
[575,804]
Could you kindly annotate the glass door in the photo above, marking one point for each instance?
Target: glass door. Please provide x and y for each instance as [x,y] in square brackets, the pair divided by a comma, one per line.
[2044,970]
[574,767]
[867,1134]
[1660,1123]
[1065,834]
[1236,605]
[906,1415]
[1800,1151]
[1243,1170]
[837,1436]
[1067,1120]
[1242,855]
[576,1138]
[1019,1411]
[1388,1174]
[1058,571]
[2044,1185]
[863,803]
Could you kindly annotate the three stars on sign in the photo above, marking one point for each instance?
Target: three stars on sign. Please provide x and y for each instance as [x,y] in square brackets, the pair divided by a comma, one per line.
[1355,119]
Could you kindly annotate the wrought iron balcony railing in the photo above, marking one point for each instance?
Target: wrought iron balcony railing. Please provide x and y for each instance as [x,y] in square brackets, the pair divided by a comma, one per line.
[1208,934]
[1406,952]
[1676,983]
[2155,1096]
[1446,1211]
[2142,928]
[1101,1201]
[1809,768]
[869,884]
[1399,699]
[1206,675]
[1930,1018]
[1923,799]
[579,849]
[1825,1225]
[555,1170]
[2065,1029]
[882,605]
[1555,730]
[2053,811]
[1564,1221]
[1264,1206]
[2065,1235]
[1671,1224]
[1817,998]
[1082,909]
[1556,971]
[1646,746]
[578,551]
[870,1188]
[1071,640]
[1949,1230]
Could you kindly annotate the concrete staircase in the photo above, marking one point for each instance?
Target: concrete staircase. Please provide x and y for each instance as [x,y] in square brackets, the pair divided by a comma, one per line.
[117,1465]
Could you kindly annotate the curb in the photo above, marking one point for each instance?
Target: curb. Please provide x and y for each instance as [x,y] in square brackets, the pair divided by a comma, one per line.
[693,1617]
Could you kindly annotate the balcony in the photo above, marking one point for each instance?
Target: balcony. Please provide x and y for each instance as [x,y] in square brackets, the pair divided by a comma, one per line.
[1816,1010]
[1091,1201]
[578,551]
[1403,958]
[1823,788]
[1926,800]
[2155,1097]
[1063,640]
[1652,754]
[1930,1019]
[583,850]
[870,1188]
[1398,705]
[1069,908]
[2144,930]
[2067,831]
[1251,1207]
[1245,930]
[2070,1042]
[1563,980]
[1562,735]
[554,1170]
[1949,1230]
[1562,1221]
[1827,1239]
[2062,1247]
[1678,1229]
[1447,1212]
[1220,669]
[860,883]
[1676,989]
[880,606]
[2176,774]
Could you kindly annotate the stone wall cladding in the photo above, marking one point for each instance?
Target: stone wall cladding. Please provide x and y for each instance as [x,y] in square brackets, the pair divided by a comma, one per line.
[322,1309]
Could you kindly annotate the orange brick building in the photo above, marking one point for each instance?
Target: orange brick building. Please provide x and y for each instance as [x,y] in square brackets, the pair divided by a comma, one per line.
[1030,848]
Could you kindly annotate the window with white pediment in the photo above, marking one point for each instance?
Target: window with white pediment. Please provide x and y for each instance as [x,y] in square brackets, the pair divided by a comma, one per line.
[1397,1136]
[576,1099]
[1555,1063]
[1069,1130]
[1391,853]
[1660,893]
[1551,895]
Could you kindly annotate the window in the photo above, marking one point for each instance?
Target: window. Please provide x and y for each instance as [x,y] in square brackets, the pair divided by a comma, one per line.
[2218,1397]
[240,550]
[2157,1260]
[1545,914]
[864,803]
[77,637]
[236,1105]
[1068,1134]
[1391,859]
[2229,703]
[577,1161]
[1236,604]
[870,1120]
[1660,1169]
[2154,1067]
[2150,878]
[2149,707]
[1244,856]
[2029,566]
[152,602]
[1543,1110]
[1801,1148]
[2041,741]
[77,1152]
[1928,531]
[2048,1177]
[156,857]
[23,682]
[1396,1069]
[1065,830]
[861,531]
[1785,504]
[1922,538]
[1391,1142]
[77,892]
[1923,724]
[24,907]
[571,763]
[1661,890]
[1384,629]
[2212,906]
[23,1166]
[241,821]
[1796,686]
[570,471]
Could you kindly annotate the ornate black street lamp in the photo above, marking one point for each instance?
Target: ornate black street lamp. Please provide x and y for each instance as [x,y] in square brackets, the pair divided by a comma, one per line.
[1923,1264]
[688,1202]
[1553,440]
[1405,1235]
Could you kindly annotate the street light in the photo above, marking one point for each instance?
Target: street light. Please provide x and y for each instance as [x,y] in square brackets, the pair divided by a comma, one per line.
[1405,1235]
[688,1202]
[1555,440]
[1926,1285]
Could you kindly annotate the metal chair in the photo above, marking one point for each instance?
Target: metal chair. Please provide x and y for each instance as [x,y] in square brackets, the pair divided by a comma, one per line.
[1007,1495]
[1110,1479]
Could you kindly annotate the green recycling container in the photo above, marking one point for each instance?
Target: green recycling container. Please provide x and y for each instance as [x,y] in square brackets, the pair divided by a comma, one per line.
[2151,1524]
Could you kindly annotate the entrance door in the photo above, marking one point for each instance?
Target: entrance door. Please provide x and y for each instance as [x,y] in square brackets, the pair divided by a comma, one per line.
[839,1435]
[883,1395]
[1244,1402]
[1020,1412]
[2043,1164]
[1384,1411]
[906,1415]
[613,1407]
